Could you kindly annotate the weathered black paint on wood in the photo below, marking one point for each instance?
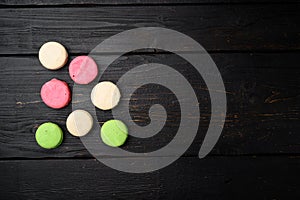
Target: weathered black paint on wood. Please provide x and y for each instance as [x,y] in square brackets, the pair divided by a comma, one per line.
[129,2]
[255,45]
[262,92]
[189,178]
[216,27]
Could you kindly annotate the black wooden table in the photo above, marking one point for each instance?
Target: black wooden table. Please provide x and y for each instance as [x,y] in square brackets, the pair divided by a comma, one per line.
[255,45]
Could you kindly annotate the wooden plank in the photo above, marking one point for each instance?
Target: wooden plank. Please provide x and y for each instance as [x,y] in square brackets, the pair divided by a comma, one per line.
[262,94]
[129,2]
[187,178]
[217,27]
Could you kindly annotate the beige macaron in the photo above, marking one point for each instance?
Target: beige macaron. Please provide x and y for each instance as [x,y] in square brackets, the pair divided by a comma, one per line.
[105,95]
[53,55]
[79,123]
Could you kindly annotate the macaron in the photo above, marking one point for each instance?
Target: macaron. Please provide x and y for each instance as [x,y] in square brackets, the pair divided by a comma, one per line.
[79,123]
[56,93]
[114,133]
[53,55]
[105,95]
[83,70]
[49,135]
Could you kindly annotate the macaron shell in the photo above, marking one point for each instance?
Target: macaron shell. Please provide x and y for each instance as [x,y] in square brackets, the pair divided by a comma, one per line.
[79,123]
[56,93]
[49,135]
[83,70]
[105,95]
[114,133]
[53,55]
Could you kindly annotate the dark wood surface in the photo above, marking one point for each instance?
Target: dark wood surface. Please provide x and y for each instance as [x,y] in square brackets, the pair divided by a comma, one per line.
[217,27]
[35,3]
[255,45]
[270,177]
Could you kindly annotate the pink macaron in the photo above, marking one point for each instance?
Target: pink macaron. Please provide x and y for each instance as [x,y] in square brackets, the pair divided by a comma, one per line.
[83,70]
[56,93]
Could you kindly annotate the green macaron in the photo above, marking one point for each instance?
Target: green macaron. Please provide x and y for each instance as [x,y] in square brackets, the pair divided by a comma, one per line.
[114,133]
[49,135]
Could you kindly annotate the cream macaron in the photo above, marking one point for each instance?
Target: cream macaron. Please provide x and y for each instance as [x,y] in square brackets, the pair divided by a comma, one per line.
[105,95]
[53,55]
[79,123]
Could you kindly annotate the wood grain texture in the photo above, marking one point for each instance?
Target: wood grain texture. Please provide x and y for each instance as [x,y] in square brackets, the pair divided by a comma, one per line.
[128,2]
[188,178]
[217,27]
[262,93]
[255,44]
